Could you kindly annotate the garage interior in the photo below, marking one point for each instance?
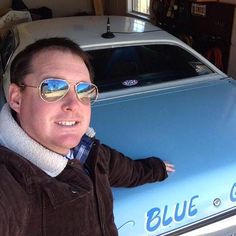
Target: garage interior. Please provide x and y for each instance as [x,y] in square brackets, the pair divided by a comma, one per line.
[207,26]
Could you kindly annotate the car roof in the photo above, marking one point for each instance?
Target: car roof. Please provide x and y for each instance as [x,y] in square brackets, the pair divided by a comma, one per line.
[87,31]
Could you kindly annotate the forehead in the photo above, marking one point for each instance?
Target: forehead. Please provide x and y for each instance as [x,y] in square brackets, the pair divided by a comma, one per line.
[59,63]
[52,52]
[56,59]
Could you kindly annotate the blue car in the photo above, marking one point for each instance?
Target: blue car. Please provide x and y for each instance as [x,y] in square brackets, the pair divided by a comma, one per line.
[158,97]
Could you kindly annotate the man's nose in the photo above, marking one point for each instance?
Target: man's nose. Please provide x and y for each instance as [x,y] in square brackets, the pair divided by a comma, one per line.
[70,101]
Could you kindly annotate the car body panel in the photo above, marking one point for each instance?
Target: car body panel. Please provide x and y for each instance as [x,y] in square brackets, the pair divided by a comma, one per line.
[194,127]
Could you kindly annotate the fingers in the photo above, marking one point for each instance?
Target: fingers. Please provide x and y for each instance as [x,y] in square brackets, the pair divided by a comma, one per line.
[169,167]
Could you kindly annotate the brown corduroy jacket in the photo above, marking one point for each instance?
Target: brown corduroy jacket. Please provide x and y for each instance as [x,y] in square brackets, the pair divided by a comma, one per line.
[78,202]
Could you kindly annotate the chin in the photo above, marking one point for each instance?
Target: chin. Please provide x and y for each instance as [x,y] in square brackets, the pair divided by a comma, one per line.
[71,143]
[68,141]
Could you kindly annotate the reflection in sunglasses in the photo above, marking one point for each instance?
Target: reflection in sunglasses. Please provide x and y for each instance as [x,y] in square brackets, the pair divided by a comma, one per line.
[56,89]
[52,90]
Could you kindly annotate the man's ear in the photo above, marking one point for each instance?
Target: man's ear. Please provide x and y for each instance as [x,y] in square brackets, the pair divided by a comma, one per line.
[14,97]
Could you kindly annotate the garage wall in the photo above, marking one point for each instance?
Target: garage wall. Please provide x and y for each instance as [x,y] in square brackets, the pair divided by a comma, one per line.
[58,7]
[115,7]
[70,7]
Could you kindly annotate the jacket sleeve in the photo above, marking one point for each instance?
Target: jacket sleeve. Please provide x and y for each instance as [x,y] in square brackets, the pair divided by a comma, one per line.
[126,172]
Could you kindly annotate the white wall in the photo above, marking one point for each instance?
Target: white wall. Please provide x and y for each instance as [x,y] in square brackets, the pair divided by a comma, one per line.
[232,58]
[58,7]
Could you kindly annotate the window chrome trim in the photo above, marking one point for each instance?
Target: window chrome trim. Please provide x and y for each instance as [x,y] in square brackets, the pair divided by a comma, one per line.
[224,223]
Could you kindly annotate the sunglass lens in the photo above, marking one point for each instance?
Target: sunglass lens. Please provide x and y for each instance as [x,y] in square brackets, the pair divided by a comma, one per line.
[86,92]
[53,90]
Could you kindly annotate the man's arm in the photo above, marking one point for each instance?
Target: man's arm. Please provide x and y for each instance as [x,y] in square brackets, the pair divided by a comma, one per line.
[124,171]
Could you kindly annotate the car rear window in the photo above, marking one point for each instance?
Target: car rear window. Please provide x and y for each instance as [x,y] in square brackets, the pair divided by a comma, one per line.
[124,67]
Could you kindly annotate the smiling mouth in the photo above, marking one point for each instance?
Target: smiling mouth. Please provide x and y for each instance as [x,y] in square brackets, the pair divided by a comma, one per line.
[68,123]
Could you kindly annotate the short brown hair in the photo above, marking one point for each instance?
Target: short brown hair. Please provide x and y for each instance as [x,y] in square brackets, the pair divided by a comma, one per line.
[21,64]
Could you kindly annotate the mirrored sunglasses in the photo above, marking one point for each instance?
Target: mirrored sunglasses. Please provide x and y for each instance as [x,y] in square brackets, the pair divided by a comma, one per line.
[53,90]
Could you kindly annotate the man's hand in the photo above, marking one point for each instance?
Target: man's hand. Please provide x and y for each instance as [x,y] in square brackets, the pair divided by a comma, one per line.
[169,167]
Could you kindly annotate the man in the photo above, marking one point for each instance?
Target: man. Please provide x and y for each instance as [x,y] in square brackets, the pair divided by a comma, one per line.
[54,178]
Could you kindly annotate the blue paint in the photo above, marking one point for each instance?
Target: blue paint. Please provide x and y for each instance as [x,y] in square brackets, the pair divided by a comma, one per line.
[166,221]
[157,217]
[192,211]
[233,193]
[178,124]
[152,216]
[181,216]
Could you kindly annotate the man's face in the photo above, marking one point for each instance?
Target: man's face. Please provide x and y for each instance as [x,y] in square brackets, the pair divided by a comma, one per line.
[60,125]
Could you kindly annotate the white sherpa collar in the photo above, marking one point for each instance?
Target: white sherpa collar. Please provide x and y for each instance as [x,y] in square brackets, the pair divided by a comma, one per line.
[14,138]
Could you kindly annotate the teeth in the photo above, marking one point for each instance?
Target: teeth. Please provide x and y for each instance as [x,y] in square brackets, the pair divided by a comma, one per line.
[67,123]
